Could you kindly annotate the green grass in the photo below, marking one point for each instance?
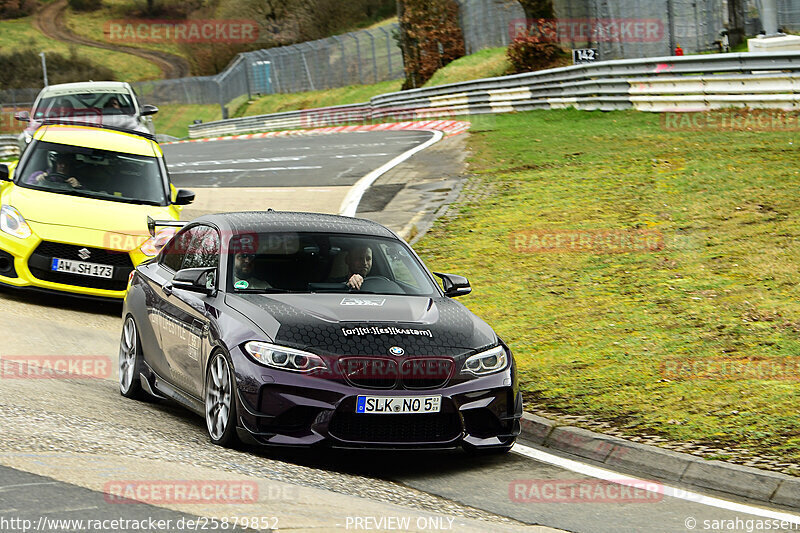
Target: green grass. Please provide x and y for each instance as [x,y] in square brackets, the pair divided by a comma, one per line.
[276,103]
[19,34]
[484,64]
[92,25]
[175,119]
[591,330]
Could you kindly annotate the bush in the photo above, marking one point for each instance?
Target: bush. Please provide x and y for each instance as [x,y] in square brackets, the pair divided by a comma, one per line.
[23,69]
[12,9]
[429,36]
[530,52]
[85,5]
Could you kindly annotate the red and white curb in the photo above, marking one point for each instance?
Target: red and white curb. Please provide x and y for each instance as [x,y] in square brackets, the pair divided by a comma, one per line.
[447,127]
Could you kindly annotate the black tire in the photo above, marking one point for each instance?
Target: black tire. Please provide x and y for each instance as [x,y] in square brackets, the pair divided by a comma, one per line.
[130,361]
[220,402]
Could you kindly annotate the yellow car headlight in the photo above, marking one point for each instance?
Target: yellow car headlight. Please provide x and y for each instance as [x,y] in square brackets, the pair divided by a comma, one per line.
[11,222]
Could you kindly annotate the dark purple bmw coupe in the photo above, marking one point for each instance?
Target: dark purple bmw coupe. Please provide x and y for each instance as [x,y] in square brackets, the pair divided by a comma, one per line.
[302,329]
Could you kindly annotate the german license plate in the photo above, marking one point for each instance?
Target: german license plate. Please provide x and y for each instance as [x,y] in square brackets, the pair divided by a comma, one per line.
[391,405]
[82,268]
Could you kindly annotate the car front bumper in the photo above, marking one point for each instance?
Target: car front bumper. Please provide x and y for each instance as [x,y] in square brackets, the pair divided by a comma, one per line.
[283,408]
[26,264]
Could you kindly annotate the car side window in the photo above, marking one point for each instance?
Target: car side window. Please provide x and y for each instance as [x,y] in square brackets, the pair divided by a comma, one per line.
[204,249]
[174,252]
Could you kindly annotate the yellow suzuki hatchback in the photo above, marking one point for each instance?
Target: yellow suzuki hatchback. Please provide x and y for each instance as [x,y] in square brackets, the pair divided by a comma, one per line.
[73,212]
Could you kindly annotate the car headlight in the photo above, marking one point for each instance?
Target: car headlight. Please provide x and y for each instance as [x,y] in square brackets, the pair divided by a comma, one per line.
[11,222]
[154,244]
[284,358]
[488,362]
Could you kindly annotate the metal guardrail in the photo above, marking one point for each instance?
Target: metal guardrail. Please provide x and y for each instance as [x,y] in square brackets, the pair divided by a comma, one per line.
[8,146]
[311,118]
[687,83]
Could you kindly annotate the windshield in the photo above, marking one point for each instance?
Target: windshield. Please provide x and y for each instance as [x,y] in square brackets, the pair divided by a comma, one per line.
[93,173]
[321,262]
[84,104]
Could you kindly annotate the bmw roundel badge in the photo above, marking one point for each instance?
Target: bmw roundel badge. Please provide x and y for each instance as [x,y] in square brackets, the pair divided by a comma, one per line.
[396,350]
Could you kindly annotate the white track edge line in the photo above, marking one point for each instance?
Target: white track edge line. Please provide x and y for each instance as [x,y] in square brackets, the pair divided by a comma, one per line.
[667,490]
[349,205]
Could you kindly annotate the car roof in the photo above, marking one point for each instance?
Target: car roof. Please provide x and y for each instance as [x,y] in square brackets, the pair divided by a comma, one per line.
[100,138]
[290,221]
[86,87]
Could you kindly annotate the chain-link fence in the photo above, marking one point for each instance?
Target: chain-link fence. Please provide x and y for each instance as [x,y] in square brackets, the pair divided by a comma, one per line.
[356,58]
[619,29]
[12,101]
[788,16]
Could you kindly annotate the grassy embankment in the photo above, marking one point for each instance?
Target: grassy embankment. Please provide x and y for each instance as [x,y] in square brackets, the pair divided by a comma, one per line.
[19,34]
[485,63]
[592,331]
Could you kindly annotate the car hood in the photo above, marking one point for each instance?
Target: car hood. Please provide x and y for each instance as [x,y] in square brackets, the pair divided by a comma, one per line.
[40,208]
[349,324]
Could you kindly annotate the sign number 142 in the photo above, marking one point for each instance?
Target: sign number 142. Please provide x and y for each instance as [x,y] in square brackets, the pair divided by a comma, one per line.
[584,55]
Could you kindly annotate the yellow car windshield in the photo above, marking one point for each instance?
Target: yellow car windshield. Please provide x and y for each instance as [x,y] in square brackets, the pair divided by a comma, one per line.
[94,173]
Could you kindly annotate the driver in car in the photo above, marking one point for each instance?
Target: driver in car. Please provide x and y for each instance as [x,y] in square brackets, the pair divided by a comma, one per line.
[359,263]
[243,272]
[62,166]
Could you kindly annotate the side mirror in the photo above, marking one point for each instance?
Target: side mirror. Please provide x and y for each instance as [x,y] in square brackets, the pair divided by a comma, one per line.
[202,280]
[184,197]
[454,285]
[23,116]
[148,110]
[4,172]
